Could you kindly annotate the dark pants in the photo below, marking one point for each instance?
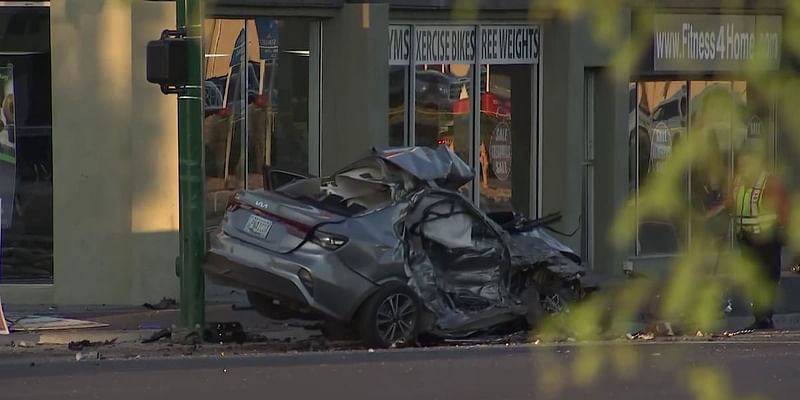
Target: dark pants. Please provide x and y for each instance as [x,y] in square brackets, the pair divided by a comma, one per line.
[766,253]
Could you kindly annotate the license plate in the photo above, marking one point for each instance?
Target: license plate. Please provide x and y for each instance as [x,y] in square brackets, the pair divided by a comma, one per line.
[257,226]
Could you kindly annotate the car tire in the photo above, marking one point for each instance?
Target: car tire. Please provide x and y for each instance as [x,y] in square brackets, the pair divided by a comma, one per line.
[535,313]
[391,317]
[266,306]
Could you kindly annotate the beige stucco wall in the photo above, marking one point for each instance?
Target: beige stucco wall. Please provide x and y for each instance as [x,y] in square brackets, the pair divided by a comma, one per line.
[114,156]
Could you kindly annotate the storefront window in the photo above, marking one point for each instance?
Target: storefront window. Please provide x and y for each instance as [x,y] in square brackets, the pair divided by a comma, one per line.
[225,89]
[26,160]
[505,169]
[399,61]
[443,112]
[450,86]
[668,125]
[718,116]
[398,90]
[257,110]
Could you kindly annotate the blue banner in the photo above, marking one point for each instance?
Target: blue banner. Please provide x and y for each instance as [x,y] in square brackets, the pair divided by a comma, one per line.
[238,55]
[267,38]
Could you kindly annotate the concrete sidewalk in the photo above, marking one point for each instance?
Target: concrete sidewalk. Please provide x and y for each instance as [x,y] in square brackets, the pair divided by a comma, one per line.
[134,324]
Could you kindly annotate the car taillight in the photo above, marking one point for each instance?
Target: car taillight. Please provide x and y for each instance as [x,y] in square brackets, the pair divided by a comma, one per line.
[234,202]
[296,229]
[328,241]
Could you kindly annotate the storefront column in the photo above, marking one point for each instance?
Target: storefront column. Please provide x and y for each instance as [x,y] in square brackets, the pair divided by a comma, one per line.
[571,56]
[91,58]
[114,156]
[154,167]
[355,88]
[562,126]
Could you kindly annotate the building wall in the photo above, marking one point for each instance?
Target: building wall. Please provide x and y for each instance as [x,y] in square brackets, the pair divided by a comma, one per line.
[570,54]
[355,83]
[115,157]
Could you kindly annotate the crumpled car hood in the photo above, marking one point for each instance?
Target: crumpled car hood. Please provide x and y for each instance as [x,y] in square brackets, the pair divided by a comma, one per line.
[528,249]
[440,165]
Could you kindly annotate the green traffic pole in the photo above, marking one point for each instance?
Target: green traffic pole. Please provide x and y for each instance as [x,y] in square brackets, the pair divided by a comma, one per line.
[189,15]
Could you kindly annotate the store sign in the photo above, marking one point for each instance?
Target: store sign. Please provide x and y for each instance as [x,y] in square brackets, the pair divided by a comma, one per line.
[447,44]
[444,44]
[500,151]
[690,42]
[399,45]
[510,44]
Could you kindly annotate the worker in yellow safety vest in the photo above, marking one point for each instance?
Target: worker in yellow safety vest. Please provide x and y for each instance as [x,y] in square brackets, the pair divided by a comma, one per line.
[757,202]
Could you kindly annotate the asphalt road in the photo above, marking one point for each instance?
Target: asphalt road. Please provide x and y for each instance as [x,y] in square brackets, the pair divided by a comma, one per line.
[648,371]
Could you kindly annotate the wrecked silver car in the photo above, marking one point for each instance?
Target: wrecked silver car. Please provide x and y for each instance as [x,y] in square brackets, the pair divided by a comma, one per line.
[390,246]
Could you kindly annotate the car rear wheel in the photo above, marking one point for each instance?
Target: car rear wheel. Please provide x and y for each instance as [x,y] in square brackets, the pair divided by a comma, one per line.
[390,318]
[266,306]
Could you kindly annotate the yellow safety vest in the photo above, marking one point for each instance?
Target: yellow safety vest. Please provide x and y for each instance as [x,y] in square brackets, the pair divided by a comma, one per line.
[750,215]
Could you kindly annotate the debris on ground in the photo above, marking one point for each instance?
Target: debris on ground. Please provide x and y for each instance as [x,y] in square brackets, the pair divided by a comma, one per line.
[727,334]
[164,304]
[162,334]
[728,306]
[641,335]
[32,323]
[224,332]
[80,345]
[654,330]
[512,338]
[150,326]
[92,355]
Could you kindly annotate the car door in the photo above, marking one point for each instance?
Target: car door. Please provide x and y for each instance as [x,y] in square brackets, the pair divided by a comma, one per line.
[469,256]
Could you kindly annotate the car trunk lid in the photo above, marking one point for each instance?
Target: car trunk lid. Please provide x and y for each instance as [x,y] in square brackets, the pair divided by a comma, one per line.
[274,221]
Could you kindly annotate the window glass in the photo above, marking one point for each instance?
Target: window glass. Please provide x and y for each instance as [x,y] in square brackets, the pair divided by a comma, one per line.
[443,110]
[639,124]
[713,126]
[256,103]
[398,90]
[399,61]
[668,126]
[26,157]
[279,53]
[226,91]
[447,87]
[718,115]
[505,157]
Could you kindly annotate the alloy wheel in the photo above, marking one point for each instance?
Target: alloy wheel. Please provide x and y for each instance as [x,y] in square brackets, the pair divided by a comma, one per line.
[396,317]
